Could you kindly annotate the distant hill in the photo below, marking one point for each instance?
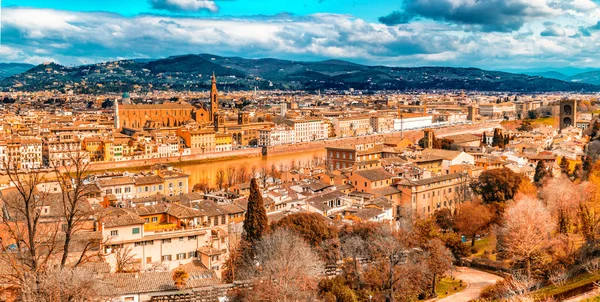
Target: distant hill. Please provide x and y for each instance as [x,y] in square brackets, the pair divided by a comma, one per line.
[9,69]
[590,77]
[550,75]
[192,72]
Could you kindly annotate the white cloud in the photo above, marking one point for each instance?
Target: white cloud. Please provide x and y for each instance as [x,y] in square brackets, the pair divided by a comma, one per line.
[184,5]
[38,35]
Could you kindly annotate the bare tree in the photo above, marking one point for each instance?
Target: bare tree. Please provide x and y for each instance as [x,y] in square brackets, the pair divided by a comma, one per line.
[263,175]
[284,268]
[76,210]
[203,186]
[242,175]
[253,172]
[563,198]
[438,259]
[63,284]
[231,176]
[220,179]
[273,172]
[355,247]
[526,231]
[125,260]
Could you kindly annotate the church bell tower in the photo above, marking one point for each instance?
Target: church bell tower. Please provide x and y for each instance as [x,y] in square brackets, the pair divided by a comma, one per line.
[214,98]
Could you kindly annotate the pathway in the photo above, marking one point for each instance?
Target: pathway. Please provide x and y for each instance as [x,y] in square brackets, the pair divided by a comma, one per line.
[476,280]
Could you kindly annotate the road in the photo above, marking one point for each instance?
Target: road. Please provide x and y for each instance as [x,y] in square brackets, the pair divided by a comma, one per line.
[476,281]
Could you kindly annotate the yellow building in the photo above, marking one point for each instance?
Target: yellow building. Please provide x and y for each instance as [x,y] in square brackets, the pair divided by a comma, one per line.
[223,142]
[200,141]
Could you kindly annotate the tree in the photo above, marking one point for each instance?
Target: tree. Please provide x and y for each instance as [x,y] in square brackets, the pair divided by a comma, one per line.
[473,218]
[540,173]
[256,223]
[231,176]
[587,166]
[439,261]
[484,139]
[562,197]
[202,186]
[525,126]
[263,175]
[180,278]
[273,173]
[444,219]
[525,232]
[125,260]
[310,226]
[564,165]
[497,185]
[498,139]
[220,179]
[284,268]
[577,172]
[242,174]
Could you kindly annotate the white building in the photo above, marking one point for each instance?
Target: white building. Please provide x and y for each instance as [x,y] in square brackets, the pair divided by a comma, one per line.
[412,122]
[279,135]
[308,130]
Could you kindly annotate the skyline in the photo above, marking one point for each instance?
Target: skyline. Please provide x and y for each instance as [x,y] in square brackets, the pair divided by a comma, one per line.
[491,34]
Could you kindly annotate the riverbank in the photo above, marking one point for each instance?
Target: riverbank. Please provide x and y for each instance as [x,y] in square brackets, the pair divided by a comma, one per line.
[299,148]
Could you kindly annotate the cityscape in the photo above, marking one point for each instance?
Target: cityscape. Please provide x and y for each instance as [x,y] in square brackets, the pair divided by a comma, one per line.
[200,150]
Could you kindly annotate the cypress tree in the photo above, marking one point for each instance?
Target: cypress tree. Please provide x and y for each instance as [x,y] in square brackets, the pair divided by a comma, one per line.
[484,138]
[256,222]
[588,163]
[564,165]
[540,173]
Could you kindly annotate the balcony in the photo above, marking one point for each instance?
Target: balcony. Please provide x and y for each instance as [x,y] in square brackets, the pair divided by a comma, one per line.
[161,227]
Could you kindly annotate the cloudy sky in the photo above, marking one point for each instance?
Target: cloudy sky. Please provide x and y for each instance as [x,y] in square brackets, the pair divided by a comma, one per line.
[493,34]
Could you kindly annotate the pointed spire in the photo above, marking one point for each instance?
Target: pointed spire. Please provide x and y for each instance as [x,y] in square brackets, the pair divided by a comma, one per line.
[214,78]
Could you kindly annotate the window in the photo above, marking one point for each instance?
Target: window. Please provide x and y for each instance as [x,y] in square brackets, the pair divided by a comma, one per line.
[118,191]
[138,243]
[180,256]
[135,231]
[166,258]
[146,189]
[114,233]
[149,242]
[154,188]
[127,190]
[433,193]
[449,190]
[223,219]
[154,219]
[180,239]
[193,254]
[167,240]
[192,237]
[180,184]
[170,185]
[146,220]
[160,187]
[108,191]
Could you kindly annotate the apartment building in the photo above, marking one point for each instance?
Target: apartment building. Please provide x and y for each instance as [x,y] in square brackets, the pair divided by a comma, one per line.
[498,110]
[425,196]
[278,135]
[308,130]
[382,124]
[352,126]
[200,141]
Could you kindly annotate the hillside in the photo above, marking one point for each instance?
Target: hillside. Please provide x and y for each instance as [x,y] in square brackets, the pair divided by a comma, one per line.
[9,69]
[192,72]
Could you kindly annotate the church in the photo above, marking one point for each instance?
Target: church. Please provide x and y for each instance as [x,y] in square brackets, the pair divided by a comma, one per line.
[165,115]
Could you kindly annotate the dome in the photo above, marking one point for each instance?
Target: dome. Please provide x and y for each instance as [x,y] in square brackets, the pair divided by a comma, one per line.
[126,95]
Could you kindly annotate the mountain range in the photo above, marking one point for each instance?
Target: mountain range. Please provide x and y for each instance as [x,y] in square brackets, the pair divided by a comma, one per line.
[193,72]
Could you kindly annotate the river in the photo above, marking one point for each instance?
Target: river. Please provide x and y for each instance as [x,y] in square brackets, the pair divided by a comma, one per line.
[209,170]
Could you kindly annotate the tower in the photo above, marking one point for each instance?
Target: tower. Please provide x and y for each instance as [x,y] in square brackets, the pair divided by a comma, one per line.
[568,113]
[116,118]
[214,98]
[472,114]
[126,99]
[429,137]
[243,118]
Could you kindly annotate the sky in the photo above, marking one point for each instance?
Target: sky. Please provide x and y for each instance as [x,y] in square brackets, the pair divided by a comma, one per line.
[490,34]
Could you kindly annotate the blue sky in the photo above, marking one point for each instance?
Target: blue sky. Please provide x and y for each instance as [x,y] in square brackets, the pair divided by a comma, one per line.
[492,34]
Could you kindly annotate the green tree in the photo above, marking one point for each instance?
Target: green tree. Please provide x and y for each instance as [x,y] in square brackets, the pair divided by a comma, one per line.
[587,166]
[540,173]
[564,165]
[497,185]
[498,140]
[256,222]
[525,126]
[484,139]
